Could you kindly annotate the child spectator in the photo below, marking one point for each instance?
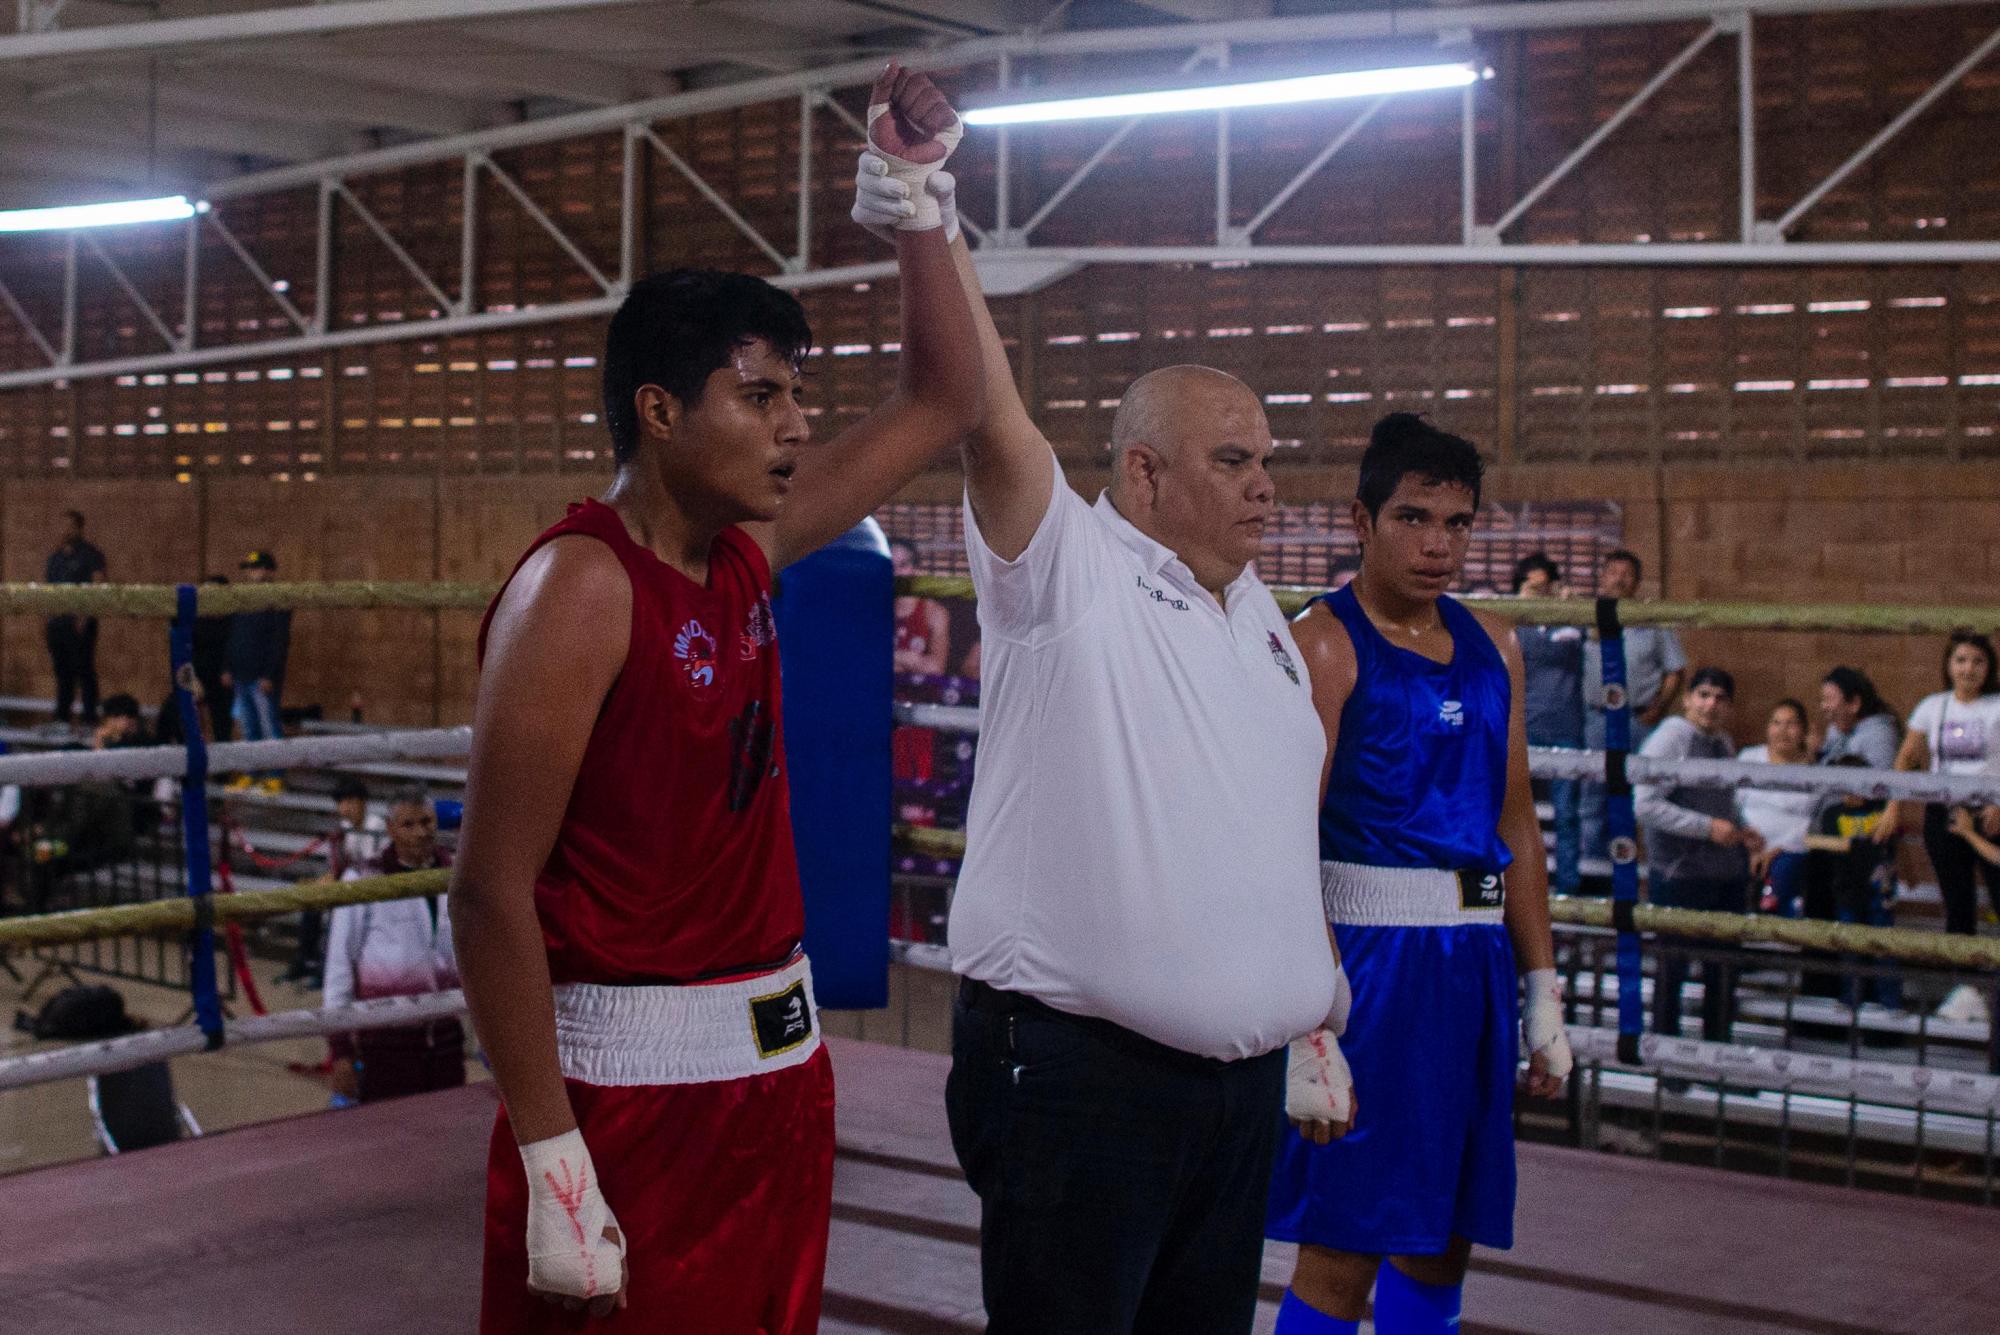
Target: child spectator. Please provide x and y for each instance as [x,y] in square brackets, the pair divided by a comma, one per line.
[1782,818]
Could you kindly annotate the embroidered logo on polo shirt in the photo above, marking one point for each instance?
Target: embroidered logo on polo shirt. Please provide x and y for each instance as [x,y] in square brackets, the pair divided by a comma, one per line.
[695,648]
[781,1021]
[1283,659]
[1161,596]
[1451,713]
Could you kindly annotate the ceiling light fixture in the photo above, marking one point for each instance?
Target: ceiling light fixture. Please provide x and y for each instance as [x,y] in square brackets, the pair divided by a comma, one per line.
[1217,97]
[72,217]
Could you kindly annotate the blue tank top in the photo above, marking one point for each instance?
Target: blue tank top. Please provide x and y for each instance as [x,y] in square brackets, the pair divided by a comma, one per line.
[1420,769]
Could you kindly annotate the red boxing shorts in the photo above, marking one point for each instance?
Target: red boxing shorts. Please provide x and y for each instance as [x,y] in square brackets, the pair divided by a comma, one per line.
[708,1111]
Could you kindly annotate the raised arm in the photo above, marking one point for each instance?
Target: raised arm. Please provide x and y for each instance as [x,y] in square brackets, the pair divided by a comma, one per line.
[1009,464]
[938,384]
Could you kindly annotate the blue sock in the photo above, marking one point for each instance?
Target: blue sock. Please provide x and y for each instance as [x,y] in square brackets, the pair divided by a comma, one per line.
[1405,1306]
[1298,1317]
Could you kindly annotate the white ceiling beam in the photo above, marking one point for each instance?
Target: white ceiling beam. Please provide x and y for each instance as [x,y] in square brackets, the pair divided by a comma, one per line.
[466,63]
[295,20]
[282,94]
[121,125]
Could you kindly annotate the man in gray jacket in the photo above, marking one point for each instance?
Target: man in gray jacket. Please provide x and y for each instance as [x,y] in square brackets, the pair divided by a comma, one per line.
[1696,853]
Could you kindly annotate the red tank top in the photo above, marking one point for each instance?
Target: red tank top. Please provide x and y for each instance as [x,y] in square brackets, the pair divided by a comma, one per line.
[675,860]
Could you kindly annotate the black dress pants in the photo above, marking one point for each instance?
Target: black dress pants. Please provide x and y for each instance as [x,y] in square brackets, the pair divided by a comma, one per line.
[1122,1183]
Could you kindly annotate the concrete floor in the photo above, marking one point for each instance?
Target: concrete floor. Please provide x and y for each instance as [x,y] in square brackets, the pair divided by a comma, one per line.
[364,1221]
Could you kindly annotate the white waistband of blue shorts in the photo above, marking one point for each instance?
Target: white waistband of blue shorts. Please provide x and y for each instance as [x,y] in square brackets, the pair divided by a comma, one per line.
[686,1035]
[1360,896]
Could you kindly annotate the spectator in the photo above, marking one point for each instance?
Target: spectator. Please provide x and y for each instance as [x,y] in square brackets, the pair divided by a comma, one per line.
[356,842]
[395,948]
[1864,880]
[1782,819]
[73,639]
[259,643]
[1956,731]
[1554,700]
[1696,850]
[1654,664]
[1858,721]
[923,625]
[211,666]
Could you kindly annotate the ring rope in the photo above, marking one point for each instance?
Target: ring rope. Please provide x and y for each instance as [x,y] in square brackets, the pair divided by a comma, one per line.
[122,1054]
[159,600]
[1562,762]
[322,750]
[1907,945]
[1870,618]
[180,915]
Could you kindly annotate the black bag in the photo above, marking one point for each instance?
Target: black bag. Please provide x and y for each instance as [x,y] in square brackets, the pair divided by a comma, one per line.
[79,1013]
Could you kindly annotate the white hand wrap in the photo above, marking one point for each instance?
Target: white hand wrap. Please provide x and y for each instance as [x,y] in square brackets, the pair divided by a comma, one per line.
[913,175]
[1318,1085]
[567,1250]
[882,203]
[1542,1031]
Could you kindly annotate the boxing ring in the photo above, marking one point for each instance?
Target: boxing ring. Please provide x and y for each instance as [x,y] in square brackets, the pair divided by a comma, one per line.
[366,1220]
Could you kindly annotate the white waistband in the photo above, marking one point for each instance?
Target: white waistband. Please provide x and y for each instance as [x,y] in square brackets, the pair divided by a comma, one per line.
[1397,897]
[687,1035]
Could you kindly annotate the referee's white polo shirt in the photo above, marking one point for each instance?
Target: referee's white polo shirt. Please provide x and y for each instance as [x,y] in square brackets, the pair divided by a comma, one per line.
[1142,843]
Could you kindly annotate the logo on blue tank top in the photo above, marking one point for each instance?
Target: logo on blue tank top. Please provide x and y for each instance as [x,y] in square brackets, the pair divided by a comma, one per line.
[1451,713]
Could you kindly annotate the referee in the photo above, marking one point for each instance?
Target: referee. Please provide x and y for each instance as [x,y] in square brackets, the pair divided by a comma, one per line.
[1138,921]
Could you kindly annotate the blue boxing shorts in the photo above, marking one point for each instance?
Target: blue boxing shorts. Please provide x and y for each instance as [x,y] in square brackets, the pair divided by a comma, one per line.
[1433,1040]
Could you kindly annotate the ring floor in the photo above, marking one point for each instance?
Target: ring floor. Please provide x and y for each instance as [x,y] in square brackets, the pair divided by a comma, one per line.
[366,1221]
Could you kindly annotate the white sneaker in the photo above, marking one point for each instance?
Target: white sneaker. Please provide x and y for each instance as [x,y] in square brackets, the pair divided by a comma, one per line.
[1965,1005]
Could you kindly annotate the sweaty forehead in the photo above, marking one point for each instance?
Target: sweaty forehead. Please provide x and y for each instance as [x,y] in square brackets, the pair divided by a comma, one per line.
[756,359]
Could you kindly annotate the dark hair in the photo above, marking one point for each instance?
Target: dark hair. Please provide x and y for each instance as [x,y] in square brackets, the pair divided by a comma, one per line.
[1797,707]
[676,328]
[1622,554]
[121,705]
[412,795]
[74,516]
[1985,646]
[1719,678]
[1532,562]
[1853,684]
[347,787]
[1404,443]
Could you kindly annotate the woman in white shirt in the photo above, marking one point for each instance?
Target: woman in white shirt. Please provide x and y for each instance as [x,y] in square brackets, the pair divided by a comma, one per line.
[1783,818]
[1956,731]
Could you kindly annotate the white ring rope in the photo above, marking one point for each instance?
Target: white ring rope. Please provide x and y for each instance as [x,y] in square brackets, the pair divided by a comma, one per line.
[1887,1083]
[1890,1083]
[122,1054]
[1551,762]
[170,762]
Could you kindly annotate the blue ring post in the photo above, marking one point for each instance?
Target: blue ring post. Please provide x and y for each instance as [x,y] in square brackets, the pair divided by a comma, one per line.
[194,826]
[1621,828]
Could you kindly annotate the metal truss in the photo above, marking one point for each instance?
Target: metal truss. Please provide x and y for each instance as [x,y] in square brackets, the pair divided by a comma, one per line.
[1008,257]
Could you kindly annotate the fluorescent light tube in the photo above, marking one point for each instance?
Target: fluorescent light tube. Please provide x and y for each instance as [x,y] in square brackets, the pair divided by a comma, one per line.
[70,217]
[1215,97]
